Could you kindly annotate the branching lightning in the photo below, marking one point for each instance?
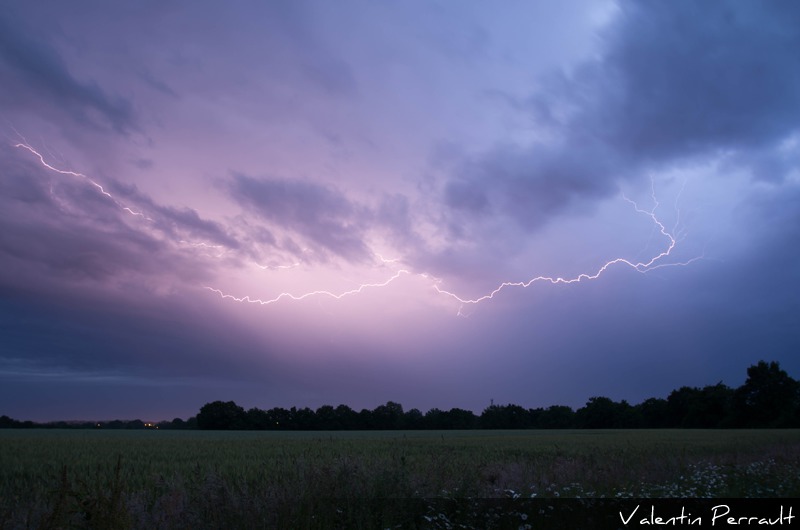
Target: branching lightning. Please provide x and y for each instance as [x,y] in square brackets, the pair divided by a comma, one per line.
[643,266]
[97,185]
[639,266]
[651,264]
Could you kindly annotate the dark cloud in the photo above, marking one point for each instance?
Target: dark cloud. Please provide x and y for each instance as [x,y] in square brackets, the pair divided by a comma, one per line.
[317,63]
[63,229]
[318,213]
[674,80]
[687,78]
[394,213]
[103,314]
[531,185]
[189,221]
[176,223]
[35,76]
[466,196]
[139,338]
[144,357]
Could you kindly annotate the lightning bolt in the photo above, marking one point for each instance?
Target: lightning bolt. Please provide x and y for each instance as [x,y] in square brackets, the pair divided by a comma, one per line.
[644,266]
[220,249]
[336,296]
[655,262]
[97,185]
[639,266]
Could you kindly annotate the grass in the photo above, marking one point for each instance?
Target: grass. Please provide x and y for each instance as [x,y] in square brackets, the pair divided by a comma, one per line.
[204,479]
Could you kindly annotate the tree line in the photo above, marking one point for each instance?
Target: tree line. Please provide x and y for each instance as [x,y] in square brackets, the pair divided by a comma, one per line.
[768,398]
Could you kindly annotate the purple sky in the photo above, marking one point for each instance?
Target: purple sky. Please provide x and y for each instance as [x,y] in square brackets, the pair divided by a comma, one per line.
[299,203]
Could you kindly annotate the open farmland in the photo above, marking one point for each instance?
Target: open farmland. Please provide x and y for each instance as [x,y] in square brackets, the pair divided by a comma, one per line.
[191,479]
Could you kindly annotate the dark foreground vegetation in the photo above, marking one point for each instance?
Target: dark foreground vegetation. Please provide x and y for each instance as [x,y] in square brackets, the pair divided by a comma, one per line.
[148,479]
[200,473]
[768,398]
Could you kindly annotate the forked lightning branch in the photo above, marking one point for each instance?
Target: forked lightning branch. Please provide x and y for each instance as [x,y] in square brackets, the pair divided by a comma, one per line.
[657,260]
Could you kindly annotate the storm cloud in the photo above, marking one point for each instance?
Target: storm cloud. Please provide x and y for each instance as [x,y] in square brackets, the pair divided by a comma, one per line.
[672,82]
[36,76]
[321,215]
[439,205]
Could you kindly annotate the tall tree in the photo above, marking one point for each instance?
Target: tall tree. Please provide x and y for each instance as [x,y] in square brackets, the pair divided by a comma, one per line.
[710,407]
[769,397]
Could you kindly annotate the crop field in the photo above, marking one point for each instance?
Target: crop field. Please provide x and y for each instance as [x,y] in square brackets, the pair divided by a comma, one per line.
[379,479]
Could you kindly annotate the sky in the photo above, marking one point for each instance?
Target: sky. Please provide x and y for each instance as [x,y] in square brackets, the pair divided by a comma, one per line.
[441,204]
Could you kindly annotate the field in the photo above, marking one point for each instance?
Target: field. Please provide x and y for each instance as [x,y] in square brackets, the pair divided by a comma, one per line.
[398,479]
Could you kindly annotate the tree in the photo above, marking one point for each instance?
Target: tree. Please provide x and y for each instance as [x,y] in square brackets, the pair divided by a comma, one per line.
[347,417]
[258,420]
[768,398]
[326,419]
[652,413]
[388,416]
[555,417]
[456,418]
[7,423]
[279,418]
[710,407]
[221,415]
[175,424]
[505,417]
[413,419]
[433,419]
[304,419]
[679,402]
[604,413]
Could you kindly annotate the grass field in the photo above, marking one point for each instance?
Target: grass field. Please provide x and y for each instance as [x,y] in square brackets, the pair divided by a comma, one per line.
[205,479]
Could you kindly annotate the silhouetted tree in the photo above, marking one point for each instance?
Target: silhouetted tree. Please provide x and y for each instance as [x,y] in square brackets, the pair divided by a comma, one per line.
[258,420]
[303,419]
[768,398]
[678,404]
[347,417]
[326,419]
[176,424]
[413,419]
[456,418]
[555,417]
[604,413]
[388,416]
[8,423]
[709,407]
[652,413]
[220,415]
[279,419]
[505,417]
[433,419]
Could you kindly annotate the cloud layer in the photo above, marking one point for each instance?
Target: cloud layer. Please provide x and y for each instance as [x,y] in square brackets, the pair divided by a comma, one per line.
[151,161]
